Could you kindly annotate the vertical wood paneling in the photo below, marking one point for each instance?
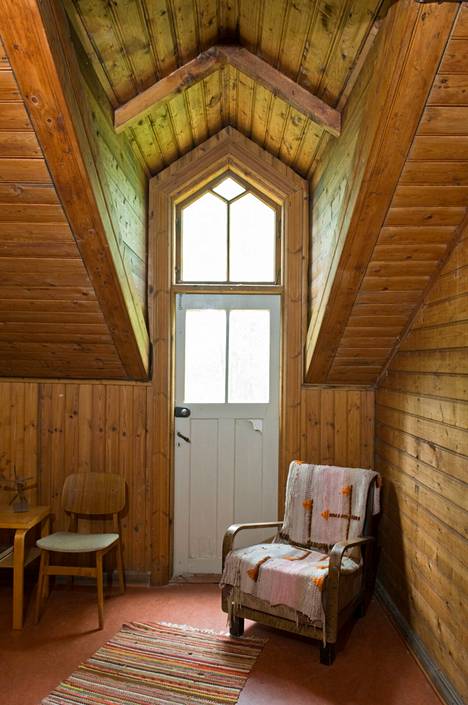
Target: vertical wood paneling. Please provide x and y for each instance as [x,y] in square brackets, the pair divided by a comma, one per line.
[19,435]
[422,454]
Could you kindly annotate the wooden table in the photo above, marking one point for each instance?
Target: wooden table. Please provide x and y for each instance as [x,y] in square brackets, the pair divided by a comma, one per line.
[21,523]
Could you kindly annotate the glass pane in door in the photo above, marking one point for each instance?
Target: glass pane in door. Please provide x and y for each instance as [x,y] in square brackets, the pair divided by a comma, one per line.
[205,356]
[249,357]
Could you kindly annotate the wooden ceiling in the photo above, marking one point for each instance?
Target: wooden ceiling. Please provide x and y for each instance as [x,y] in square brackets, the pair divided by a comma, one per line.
[51,323]
[427,213]
[134,44]
[413,208]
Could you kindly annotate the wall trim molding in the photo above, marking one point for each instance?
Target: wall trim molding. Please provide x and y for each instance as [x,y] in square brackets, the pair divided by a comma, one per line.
[437,677]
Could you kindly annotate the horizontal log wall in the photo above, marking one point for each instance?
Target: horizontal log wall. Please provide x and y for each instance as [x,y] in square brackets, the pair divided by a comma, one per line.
[422,453]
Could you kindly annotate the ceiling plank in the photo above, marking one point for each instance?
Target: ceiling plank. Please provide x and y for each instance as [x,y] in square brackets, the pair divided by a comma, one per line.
[405,59]
[244,61]
[47,71]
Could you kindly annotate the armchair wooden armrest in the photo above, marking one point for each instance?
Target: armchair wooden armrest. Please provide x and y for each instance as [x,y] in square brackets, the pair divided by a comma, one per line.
[333,583]
[234,529]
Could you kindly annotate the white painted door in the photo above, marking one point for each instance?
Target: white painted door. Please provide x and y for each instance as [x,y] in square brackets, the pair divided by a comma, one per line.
[226,452]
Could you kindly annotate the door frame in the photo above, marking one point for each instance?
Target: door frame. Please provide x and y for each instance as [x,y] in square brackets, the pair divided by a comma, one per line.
[226,151]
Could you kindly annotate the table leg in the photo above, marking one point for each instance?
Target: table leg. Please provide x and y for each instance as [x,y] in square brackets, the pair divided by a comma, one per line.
[45,526]
[18,578]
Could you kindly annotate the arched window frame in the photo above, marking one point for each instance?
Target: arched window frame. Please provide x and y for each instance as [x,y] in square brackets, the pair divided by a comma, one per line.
[209,188]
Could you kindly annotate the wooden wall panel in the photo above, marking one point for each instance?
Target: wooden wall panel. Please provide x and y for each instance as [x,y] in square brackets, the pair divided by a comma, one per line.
[384,218]
[19,445]
[123,179]
[422,453]
[51,323]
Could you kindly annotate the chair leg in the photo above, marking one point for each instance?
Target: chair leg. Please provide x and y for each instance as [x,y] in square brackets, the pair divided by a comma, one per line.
[40,585]
[327,654]
[236,627]
[120,569]
[100,588]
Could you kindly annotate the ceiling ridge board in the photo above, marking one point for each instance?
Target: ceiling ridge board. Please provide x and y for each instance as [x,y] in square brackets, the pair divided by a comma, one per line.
[240,58]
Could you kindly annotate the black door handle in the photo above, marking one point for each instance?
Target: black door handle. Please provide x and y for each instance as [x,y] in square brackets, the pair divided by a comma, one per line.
[184,438]
[181,412]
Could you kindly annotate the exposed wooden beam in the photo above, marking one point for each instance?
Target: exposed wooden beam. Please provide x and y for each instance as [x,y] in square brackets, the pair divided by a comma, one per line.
[407,50]
[38,43]
[246,62]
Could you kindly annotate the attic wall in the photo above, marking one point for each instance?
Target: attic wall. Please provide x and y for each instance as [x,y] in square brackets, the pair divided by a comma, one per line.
[49,430]
[422,453]
[51,323]
[123,179]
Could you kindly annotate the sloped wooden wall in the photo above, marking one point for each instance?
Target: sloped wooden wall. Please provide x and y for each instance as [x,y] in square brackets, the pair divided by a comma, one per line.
[422,453]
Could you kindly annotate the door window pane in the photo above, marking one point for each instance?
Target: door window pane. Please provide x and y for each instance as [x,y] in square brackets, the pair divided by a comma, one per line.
[205,356]
[249,357]
[252,241]
[204,240]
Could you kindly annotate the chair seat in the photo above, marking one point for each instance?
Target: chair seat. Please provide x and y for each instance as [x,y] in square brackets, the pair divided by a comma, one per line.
[68,542]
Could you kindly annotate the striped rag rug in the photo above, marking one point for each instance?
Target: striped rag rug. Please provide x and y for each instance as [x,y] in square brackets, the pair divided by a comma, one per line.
[161,664]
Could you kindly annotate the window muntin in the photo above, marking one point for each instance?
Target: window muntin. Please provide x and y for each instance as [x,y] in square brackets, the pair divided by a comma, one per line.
[228,233]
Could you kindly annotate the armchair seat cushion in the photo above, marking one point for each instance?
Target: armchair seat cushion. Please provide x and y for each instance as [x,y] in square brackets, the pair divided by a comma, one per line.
[282,574]
[69,542]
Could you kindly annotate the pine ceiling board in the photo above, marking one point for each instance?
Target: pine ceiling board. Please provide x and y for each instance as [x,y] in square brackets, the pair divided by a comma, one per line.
[160,120]
[131,28]
[294,36]
[186,29]
[326,22]
[261,109]
[89,47]
[357,20]
[250,21]
[213,90]
[148,144]
[19,144]
[292,138]
[276,123]
[439,147]
[436,195]
[273,19]
[228,17]
[27,193]
[245,102]
[207,22]
[99,23]
[180,122]
[195,98]
[162,35]
[308,148]
[13,116]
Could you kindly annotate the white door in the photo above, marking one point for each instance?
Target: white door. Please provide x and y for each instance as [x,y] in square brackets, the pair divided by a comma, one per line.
[226,452]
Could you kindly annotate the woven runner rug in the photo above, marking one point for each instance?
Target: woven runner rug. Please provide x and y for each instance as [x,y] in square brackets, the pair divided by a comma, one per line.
[160,664]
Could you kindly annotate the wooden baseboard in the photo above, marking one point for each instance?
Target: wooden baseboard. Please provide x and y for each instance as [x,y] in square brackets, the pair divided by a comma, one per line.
[439,680]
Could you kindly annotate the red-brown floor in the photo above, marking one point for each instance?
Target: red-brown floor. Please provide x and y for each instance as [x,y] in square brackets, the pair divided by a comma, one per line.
[372,666]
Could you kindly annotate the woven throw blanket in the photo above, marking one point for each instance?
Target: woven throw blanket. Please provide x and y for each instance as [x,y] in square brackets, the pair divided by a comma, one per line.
[282,575]
[326,504]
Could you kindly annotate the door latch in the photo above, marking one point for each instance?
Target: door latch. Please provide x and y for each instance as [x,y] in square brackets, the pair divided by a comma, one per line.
[184,438]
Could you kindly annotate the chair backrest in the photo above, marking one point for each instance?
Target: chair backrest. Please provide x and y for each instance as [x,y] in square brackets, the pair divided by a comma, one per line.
[326,504]
[93,493]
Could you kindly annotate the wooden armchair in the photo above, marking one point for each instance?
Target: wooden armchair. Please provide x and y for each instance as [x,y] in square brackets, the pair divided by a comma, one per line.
[89,495]
[345,593]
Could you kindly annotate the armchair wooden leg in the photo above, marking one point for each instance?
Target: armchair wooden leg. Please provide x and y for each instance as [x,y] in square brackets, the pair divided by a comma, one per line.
[100,588]
[327,654]
[236,627]
[120,569]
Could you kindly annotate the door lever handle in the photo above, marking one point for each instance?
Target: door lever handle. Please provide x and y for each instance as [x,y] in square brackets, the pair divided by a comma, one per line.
[184,438]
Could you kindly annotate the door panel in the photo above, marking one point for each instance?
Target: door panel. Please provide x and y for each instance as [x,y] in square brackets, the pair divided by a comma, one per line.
[228,470]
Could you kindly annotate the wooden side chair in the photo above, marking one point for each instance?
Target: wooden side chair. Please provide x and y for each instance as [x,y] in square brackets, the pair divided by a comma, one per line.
[85,495]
